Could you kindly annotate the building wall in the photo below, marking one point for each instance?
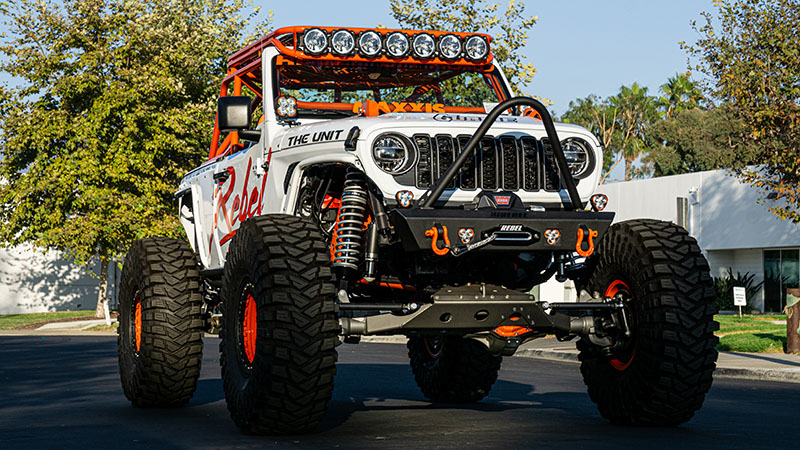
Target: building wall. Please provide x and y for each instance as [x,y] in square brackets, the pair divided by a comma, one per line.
[723,213]
[39,281]
[724,216]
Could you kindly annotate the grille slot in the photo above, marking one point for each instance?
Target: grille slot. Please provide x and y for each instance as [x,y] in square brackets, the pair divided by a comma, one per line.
[550,180]
[504,162]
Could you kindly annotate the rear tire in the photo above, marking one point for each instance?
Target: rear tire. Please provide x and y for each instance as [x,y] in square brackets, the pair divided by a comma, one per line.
[279,329]
[452,369]
[160,334]
[662,375]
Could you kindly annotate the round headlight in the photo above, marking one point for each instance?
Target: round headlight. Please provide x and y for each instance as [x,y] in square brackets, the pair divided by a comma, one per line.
[369,43]
[315,41]
[476,48]
[450,46]
[579,156]
[397,44]
[343,42]
[424,45]
[394,154]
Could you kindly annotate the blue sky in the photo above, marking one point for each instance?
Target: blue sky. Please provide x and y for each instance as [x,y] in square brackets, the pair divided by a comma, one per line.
[579,47]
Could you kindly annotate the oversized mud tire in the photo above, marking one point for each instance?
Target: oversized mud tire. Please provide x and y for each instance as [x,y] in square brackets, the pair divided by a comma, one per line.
[661,376]
[451,369]
[160,335]
[279,329]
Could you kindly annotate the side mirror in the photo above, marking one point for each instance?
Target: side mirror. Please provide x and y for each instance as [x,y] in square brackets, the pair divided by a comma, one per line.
[233,114]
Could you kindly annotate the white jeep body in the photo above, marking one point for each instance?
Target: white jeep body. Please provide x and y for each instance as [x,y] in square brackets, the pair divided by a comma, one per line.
[265,177]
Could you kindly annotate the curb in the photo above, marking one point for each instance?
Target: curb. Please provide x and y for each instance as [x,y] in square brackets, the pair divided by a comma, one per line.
[784,375]
[56,332]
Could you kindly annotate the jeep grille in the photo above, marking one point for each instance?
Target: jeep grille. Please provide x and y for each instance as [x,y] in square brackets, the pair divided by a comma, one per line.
[504,162]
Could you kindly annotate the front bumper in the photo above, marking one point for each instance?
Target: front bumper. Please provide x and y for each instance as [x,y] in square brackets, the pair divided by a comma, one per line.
[514,230]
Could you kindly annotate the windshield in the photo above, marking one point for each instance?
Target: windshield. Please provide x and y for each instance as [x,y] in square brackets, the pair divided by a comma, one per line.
[325,89]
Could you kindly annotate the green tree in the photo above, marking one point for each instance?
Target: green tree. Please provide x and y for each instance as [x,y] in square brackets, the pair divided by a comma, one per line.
[679,93]
[749,52]
[620,122]
[696,139]
[114,105]
[600,117]
[508,27]
[637,111]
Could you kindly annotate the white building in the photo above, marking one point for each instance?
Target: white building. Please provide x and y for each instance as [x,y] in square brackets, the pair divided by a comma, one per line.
[43,280]
[733,230]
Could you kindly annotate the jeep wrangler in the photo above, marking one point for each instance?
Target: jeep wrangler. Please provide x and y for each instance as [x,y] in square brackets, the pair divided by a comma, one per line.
[393,185]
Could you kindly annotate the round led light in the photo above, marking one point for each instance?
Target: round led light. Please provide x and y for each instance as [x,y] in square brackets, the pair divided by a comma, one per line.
[397,44]
[393,153]
[450,46]
[424,45]
[369,43]
[286,106]
[343,42]
[476,48]
[579,156]
[315,41]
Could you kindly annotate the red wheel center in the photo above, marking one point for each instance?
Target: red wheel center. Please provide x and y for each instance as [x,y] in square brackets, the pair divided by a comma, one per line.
[621,363]
[250,328]
[137,325]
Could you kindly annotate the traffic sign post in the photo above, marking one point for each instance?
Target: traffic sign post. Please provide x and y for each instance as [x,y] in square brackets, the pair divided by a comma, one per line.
[739,298]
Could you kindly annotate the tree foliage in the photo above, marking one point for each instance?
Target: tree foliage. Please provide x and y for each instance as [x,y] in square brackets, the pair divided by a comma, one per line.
[696,139]
[621,123]
[509,28]
[114,104]
[751,55]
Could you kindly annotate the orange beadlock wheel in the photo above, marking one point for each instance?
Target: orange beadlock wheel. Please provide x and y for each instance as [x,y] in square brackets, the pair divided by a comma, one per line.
[623,362]
[249,327]
[137,324]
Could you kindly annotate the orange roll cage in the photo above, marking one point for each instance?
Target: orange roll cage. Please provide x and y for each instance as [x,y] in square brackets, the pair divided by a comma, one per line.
[244,70]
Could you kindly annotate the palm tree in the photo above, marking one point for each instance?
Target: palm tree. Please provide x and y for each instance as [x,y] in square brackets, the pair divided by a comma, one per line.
[679,93]
[636,111]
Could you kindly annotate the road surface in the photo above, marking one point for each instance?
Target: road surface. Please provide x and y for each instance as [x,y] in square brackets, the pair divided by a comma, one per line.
[64,393]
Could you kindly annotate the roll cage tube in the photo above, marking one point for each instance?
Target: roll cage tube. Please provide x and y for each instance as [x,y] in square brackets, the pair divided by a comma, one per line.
[433,194]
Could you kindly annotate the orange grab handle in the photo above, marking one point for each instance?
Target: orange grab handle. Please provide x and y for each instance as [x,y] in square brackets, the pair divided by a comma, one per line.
[590,238]
[434,232]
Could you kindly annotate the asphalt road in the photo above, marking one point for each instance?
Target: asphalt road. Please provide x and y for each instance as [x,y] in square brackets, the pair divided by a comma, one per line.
[64,393]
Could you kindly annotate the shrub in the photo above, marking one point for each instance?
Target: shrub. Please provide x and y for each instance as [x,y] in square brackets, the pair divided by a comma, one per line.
[724,287]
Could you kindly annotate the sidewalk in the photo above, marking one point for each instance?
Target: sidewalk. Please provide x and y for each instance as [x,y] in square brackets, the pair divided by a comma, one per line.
[751,366]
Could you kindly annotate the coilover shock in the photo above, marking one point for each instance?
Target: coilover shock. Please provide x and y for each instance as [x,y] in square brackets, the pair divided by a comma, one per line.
[349,229]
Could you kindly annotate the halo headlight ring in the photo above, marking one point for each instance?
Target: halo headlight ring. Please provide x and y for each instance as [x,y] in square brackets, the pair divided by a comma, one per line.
[450,47]
[386,156]
[370,44]
[342,42]
[470,43]
[580,157]
[315,42]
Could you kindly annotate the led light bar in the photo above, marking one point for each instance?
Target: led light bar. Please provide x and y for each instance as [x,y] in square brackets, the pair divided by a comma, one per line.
[393,44]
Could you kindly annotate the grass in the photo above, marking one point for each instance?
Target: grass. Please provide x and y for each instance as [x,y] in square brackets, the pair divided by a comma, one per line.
[754,334]
[104,327]
[10,321]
